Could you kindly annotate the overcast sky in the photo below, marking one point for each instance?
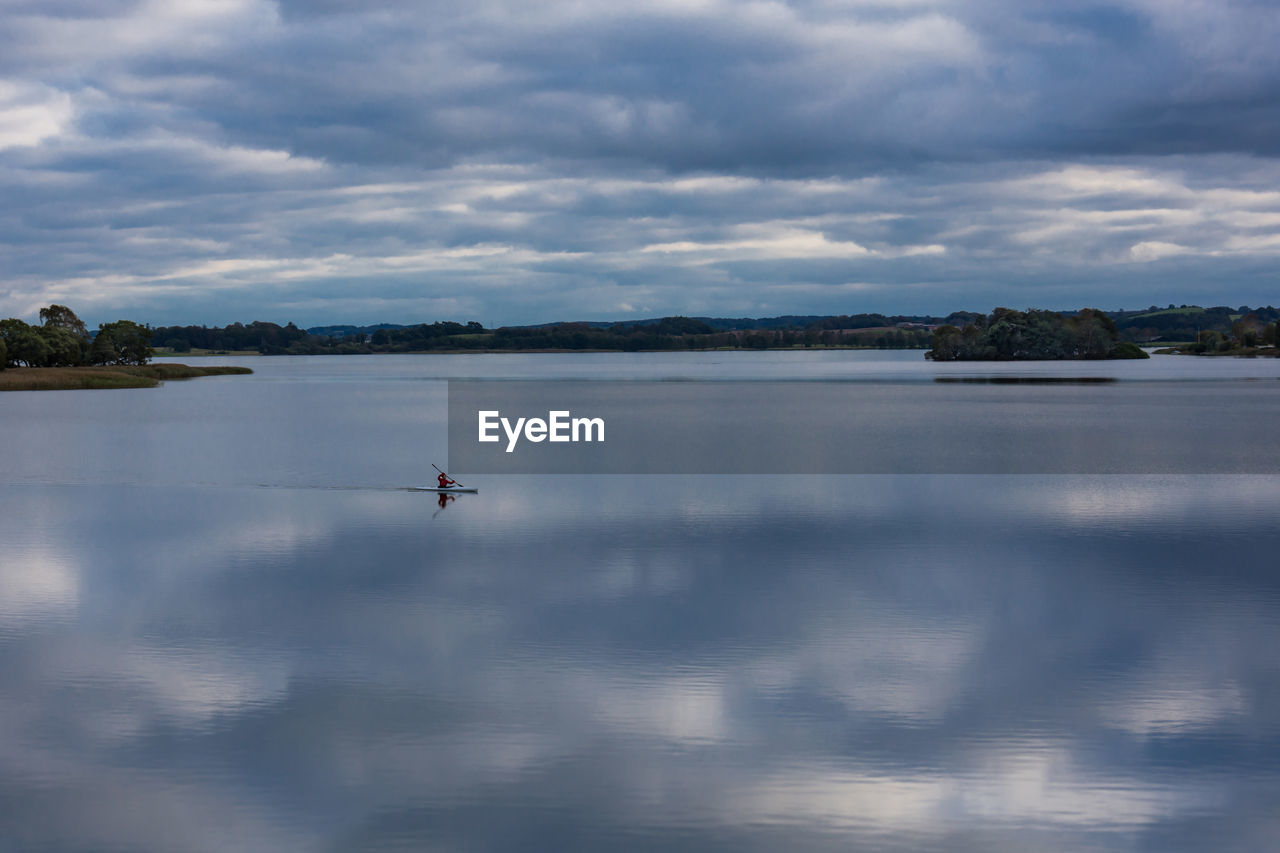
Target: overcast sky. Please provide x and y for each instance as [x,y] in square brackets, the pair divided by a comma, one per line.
[208,161]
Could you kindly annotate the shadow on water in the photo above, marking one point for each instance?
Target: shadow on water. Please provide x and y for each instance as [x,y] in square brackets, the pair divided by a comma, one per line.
[1028,380]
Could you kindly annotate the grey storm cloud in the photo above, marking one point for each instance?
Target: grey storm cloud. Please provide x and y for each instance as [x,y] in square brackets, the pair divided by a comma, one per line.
[201,161]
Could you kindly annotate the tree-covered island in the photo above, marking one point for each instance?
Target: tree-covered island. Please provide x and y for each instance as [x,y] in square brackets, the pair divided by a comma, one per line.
[1009,335]
[62,354]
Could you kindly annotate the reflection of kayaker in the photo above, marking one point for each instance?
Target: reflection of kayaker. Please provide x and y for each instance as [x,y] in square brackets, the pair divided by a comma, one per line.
[443,502]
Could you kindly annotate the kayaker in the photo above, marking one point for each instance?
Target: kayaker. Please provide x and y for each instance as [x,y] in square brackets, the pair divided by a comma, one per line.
[443,479]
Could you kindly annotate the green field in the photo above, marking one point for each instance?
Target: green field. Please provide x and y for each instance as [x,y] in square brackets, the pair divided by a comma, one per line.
[1194,309]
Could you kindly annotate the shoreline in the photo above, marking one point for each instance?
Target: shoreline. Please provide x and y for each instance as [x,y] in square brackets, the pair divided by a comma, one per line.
[1235,352]
[105,377]
[561,350]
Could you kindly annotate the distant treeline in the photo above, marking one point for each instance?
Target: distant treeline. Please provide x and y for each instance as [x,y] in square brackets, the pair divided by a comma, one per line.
[667,333]
[1147,326]
[683,333]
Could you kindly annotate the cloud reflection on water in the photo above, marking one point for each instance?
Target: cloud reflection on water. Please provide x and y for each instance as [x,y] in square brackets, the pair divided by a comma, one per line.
[917,662]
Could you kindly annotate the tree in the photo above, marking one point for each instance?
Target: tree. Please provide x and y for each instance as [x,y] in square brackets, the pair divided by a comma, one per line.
[1248,331]
[1005,333]
[4,354]
[1044,335]
[132,342]
[1208,341]
[29,348]
[65,349]
[1094,332]
[103,350]
[681,326]
[947,343]
[24,343]
[8,331]
[62,317]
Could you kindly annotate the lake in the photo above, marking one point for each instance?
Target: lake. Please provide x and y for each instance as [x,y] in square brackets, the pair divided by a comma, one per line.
[225,624]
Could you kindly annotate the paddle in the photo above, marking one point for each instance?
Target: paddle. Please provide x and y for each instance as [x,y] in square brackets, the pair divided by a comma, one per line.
[438,468]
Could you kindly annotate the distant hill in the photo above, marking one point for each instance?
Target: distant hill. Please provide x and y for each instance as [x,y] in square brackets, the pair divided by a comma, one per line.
[348,331]
[786,321]
[1184,323]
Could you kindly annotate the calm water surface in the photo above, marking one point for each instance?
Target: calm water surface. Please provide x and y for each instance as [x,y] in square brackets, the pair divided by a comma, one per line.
[225,625]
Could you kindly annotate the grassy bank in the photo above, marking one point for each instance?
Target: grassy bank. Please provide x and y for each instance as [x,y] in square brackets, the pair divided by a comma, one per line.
[115,376]
[1238,352]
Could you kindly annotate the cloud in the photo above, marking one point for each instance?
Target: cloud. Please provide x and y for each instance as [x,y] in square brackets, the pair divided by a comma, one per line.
[31,114]
[939,155]
[1154,250]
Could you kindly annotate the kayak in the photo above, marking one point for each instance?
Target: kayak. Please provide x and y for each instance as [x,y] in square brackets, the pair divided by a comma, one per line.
[446,490]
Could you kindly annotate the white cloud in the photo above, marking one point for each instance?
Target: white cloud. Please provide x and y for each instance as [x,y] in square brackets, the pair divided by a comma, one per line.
[1082,181]
[774,241]
[769,243]
[31,114]
[1263,244]
[1155,250]
[173,28]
